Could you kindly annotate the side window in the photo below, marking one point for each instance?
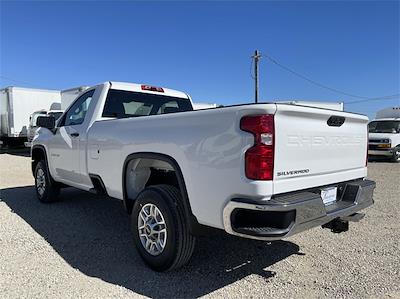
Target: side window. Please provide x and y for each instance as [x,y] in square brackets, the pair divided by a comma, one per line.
[77,112]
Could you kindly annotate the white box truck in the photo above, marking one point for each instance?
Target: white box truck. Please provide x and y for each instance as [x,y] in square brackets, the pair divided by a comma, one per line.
[16,105]
[69,95]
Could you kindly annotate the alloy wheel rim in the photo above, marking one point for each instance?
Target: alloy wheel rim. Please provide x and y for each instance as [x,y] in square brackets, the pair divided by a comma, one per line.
[40,181]
[152,229]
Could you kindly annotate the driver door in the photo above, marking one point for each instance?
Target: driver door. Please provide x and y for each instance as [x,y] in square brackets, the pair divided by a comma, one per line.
[64,148]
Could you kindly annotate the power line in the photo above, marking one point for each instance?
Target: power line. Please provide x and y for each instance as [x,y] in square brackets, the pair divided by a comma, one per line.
[274,61]
[251,68]
[392,97]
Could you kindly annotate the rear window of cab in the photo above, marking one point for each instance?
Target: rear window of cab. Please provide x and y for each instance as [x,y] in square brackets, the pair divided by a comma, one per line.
[123,104]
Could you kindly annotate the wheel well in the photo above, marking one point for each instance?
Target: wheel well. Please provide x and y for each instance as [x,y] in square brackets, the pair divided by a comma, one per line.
[144,169]
[38,154]
[143,172]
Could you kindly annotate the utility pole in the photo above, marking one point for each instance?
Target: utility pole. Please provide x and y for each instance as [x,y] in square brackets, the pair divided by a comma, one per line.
[256,58]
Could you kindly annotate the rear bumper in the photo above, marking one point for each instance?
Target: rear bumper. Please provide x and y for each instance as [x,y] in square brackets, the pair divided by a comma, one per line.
[292,213]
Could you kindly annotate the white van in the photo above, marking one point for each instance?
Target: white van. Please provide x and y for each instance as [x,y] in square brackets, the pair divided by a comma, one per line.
[384,134]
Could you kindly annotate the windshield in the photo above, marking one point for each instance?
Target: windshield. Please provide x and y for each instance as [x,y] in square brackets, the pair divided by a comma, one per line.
[56,114]
[384,127]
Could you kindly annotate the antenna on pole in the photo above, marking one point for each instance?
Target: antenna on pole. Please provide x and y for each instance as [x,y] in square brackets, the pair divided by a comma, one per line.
[256,57]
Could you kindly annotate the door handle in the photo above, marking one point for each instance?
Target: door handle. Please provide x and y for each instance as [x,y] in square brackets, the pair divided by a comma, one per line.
[74,134]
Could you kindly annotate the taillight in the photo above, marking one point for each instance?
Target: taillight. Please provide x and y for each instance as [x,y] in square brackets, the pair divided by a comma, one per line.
[152,88]
[259,159]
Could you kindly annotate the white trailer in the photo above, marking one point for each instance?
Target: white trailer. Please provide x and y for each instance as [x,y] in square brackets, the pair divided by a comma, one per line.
[318,104]
[200,106]
[16,105]
[69,95]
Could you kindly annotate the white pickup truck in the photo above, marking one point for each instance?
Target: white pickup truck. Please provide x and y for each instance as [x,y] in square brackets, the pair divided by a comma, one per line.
[260,171]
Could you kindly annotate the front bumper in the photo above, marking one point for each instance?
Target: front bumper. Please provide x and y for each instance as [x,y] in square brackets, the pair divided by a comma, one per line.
[288,214]
[382,152]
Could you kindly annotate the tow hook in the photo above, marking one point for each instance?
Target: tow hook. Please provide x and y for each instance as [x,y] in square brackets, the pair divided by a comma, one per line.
[339,225]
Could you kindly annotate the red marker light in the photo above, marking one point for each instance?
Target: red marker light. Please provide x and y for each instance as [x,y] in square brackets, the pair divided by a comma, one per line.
[152,88]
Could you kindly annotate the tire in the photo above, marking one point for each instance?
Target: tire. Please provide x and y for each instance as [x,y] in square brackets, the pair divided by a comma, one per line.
[396,155]
[46,188]
[176,246]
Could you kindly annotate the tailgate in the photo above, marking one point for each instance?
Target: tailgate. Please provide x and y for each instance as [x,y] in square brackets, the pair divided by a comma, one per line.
[316,147]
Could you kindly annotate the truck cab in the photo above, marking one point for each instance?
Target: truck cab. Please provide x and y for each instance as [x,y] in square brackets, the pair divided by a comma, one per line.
[384,135]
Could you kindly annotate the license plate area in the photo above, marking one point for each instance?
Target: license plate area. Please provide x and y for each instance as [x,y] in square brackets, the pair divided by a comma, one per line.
[329,195]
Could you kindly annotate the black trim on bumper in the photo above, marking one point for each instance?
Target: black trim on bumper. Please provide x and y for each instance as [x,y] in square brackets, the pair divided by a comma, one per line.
[298,211]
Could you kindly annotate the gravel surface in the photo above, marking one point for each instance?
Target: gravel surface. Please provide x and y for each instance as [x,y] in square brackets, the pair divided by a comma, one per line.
[81,247]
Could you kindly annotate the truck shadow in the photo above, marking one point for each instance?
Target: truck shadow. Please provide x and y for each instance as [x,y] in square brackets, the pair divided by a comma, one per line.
[19,151]
[92,234]
[380,160]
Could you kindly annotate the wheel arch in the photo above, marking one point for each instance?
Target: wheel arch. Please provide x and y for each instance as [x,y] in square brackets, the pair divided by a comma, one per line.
[194,226]
[38,153]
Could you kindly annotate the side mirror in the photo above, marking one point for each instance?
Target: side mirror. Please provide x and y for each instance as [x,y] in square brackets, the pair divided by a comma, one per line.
[48,122]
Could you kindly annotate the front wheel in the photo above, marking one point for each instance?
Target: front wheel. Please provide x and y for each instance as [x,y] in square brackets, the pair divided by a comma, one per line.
[160,229]
[46,189]
[396,154]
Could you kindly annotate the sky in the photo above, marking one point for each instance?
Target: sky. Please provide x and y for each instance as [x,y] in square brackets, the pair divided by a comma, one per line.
[204,48]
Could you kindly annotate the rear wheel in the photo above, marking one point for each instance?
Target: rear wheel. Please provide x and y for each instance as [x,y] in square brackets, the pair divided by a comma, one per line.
[159,228]
[46,189]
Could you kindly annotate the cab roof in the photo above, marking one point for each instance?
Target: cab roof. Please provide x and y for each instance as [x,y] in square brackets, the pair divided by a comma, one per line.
[146,88]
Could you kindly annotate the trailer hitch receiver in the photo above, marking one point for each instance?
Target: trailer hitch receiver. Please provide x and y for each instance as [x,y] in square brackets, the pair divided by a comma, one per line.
[337,225]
